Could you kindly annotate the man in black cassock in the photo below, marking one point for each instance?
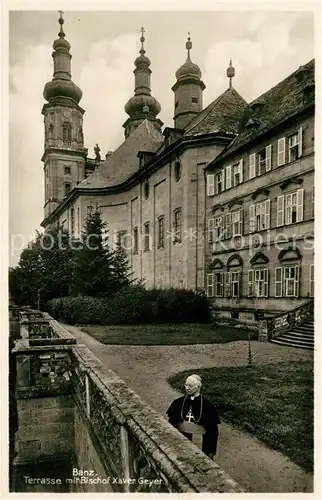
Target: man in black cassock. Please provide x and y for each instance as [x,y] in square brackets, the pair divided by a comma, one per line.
[196,417]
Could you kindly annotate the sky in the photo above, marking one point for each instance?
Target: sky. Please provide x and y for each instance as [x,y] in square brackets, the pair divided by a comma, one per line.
[265,47]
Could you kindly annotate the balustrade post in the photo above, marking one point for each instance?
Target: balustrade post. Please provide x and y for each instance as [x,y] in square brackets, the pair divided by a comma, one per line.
[125,457]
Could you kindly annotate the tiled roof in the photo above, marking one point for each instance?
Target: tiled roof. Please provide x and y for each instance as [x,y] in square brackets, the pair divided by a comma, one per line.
[221,115]
[276,105]
[123,162]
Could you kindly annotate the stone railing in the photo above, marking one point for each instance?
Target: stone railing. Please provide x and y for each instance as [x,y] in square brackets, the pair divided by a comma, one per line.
[131,447]
[276,326]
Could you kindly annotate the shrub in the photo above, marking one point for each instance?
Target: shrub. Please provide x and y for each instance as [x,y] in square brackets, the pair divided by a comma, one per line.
[133,305]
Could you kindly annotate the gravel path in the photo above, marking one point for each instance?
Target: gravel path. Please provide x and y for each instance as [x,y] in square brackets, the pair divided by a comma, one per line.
[146,370]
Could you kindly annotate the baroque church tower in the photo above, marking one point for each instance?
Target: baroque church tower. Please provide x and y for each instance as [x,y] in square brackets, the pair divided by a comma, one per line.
[142,106]
[64,156]
[187,91]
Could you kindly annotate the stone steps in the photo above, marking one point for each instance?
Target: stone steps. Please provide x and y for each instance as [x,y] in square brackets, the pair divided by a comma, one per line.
[301,336]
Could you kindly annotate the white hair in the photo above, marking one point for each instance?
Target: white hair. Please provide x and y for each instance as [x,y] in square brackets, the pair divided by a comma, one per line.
[194,378]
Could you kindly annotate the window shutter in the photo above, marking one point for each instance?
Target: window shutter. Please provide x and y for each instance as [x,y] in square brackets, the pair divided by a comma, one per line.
[228,229]
[278,282]
[267,213]
[288,209]
[297,281]
[252,220]
[241,170]
[280,211]
[210,285]
[228,177]
[268,163]
[210,230]
[300,138]
[252,166]
[227,284]
[266,282]
[241,217]
[281,151]
[299,205]
[250,283]
[210,184]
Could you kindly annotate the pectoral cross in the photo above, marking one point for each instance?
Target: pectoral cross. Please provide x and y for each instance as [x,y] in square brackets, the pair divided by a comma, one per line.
[190,416]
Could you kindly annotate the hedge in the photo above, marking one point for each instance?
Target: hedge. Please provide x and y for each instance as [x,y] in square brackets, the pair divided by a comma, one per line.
[133,305]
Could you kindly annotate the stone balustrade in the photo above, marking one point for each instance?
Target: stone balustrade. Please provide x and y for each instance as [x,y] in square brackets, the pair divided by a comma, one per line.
[276,326]
[70,404]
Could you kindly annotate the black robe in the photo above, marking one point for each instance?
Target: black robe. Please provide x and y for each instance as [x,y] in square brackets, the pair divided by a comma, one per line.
[209,419]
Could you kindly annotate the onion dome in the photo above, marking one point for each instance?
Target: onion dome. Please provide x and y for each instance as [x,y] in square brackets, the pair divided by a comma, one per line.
[142,93]
[62,84]
[188,68]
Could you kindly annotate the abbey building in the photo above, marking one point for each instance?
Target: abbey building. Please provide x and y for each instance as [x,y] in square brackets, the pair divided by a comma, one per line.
[221,202]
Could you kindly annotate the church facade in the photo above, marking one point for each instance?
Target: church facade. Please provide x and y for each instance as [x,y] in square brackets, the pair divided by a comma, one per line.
[172,197]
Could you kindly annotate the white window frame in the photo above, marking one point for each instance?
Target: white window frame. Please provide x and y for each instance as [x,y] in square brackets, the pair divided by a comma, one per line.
[210,285]
[295,141]
[220,179]
[293,203]
[235,280]
[218,284]
[259,216]
[238,173]
[218,228]
[210,184]
[261,283]
[236,222]
[284,281]
[281,150]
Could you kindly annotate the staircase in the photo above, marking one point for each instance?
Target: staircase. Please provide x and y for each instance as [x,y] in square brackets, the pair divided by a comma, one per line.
[299,336]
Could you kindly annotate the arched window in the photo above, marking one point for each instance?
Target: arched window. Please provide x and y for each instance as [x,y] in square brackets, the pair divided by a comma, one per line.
[67,133]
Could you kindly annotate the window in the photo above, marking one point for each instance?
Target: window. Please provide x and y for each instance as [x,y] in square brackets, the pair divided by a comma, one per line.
[219,182]
[236,221]
[177,171]
[259,216]
[258,283]
[67,188]
[295,145]
[135,240]
[311,281]
[210,184]
[218,227]
[177,226]
[265,160]
[147,237]
[287,281]
[218,284]
[235,278]
[238,173]
[290,208]
[146,190]
[161,232]
[67,133]
[194,99]
[67,170]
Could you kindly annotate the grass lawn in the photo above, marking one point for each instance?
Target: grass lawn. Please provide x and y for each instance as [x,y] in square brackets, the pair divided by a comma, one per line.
[273,401]
[165,334]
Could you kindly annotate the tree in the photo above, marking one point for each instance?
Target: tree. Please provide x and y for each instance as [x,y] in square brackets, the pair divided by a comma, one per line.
[93,261]
[44,269]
